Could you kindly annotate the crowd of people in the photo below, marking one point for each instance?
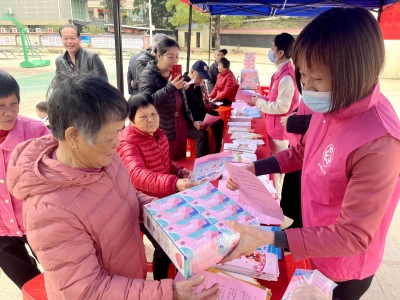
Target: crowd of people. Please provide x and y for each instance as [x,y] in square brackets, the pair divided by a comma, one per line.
[75,195]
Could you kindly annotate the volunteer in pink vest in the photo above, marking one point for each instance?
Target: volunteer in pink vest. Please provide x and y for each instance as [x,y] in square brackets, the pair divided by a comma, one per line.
[282,100]
[15,260]
[349,155]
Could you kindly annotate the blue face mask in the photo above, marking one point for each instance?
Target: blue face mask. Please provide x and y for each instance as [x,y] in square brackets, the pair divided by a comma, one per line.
[316,101]
[271,56]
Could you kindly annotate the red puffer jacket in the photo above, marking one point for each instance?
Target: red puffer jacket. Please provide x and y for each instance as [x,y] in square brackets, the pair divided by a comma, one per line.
[226,87]
[147,159]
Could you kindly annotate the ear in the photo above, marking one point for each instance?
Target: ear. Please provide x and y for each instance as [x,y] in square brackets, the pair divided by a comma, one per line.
[158,56]
[281,54]
[71,137]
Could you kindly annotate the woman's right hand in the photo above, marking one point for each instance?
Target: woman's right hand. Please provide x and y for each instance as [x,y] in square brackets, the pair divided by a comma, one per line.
[231,185]
[183,290]
[178,81]
[185,183]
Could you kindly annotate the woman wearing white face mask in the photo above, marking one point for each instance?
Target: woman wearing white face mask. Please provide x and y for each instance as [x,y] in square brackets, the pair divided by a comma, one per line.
[349,155]
[283,98]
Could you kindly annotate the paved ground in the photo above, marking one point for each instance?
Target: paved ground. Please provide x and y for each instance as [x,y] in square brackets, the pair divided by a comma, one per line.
[34,84]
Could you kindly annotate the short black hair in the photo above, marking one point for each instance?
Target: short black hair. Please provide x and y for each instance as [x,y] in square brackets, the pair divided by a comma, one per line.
[284,42]
[225,63]
[347,35]
[42,106]
[8,85]
[69,26]
[137,101]
[84,101]
[164,46]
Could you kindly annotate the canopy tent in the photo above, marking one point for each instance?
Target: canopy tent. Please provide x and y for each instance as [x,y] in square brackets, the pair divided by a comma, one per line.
[303,8]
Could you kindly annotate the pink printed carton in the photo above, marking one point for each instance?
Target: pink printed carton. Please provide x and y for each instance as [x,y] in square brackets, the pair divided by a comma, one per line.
[198,191]
[202,248]
[187,226]
[188,237]
[249,79]
[173,215]
[208,201]
[163,204]
[222,211]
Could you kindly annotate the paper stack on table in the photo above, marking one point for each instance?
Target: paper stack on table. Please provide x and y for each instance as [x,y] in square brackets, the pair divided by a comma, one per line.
[248,141]
[248,148]
[245,135]
[240,129]
[260,264]
[240,124]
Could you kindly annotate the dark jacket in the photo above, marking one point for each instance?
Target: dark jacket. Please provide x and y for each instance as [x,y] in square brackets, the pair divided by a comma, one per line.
[131,75]
[85,62]
[195,100]
[152,83]
[213,72]
[142,62]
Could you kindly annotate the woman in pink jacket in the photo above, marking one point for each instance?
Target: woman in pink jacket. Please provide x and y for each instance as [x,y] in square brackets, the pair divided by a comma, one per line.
[349,155]
[15,260]
[81,211]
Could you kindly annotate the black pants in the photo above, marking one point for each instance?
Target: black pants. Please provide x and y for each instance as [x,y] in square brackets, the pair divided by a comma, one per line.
[201,138]
[161,260]
[291,198]
[218,130]
[15,260]
[352,289]
[225,102]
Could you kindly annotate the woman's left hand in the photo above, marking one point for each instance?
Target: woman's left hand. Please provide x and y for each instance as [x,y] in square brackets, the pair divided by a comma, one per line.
[254,100]
[251,238]
[186,173]
[284,120]
[213,100]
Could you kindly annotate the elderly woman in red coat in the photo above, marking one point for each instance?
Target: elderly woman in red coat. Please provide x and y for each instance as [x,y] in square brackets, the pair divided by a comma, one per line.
[144,151]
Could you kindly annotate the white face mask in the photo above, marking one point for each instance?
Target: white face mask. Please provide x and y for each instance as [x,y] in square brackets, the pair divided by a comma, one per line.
[316,101]
[271,56]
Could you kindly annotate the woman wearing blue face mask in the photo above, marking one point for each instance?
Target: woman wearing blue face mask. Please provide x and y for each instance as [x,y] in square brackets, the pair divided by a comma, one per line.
[350,154]
[283,98]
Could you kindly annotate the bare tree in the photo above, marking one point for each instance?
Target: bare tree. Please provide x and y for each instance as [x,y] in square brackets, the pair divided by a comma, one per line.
[217,24]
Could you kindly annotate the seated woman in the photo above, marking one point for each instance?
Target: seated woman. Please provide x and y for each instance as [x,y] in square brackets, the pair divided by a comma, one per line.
[145,152]
[226,86]
[80,210]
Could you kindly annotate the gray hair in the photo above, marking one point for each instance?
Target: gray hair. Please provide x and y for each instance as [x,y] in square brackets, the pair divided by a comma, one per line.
[69,26]
[84,101]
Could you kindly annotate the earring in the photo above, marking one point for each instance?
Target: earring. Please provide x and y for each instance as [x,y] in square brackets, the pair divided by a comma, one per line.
[72,149]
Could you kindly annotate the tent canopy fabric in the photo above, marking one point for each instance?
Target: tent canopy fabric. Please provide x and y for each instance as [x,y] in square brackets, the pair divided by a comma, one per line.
[299,8]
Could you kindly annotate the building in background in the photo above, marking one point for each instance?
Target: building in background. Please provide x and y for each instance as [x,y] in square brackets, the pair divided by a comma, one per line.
[40,14]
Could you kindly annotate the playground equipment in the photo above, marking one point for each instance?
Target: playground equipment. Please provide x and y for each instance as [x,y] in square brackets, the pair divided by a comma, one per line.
[27,46]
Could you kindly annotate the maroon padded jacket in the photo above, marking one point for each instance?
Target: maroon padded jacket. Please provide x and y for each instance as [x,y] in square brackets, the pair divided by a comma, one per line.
[147,160]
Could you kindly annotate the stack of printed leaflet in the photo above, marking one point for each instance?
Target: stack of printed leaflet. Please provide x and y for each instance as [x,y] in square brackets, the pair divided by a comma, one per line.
[262,263]
[231,285]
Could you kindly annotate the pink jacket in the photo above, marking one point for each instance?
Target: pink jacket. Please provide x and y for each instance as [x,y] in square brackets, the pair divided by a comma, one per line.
[294,138]
[83,227]
[273,122]
[350,187]
[10,208]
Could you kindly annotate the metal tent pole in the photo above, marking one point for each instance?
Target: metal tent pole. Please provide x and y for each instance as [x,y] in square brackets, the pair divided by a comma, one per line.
[118,46]
[189,37]
[150,23]
[209,42]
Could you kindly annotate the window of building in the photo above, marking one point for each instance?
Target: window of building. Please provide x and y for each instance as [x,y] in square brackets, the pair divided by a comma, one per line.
[79,9]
